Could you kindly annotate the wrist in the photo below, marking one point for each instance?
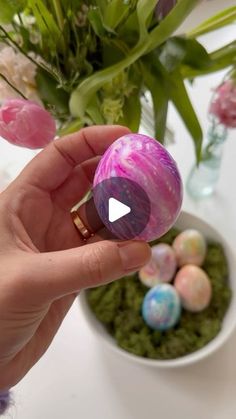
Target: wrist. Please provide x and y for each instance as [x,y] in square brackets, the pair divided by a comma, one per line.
[4,401]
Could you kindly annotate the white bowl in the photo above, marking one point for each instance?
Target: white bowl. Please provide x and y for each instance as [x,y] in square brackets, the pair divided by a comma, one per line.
[184,221]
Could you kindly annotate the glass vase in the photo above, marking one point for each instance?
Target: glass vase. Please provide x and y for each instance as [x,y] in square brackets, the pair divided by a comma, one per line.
[202,179]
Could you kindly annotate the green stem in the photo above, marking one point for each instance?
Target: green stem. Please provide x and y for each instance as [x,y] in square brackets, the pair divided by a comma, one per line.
[13,87]
[59,13]
[226,17]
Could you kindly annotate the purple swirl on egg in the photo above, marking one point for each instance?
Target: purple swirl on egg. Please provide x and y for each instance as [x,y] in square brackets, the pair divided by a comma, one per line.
[145,161]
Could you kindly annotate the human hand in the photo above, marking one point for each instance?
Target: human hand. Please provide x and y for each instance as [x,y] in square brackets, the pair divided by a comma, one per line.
[44,263]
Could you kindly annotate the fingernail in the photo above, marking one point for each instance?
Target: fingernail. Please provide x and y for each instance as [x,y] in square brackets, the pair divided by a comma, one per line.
[134,254]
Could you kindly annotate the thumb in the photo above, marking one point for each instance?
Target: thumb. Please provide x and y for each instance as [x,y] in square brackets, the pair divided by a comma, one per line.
[56,274]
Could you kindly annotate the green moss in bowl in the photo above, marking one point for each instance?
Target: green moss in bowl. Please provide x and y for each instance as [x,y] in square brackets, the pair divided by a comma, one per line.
[118,307]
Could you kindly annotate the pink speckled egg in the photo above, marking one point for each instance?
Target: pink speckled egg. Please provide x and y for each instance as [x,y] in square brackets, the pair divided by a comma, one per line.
[161,267]
[190,247]
[144,161]
[194,288]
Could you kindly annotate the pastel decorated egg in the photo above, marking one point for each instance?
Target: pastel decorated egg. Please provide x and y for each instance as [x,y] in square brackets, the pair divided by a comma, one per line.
[190,247]
[194,288]
[161,307]
[144,162]
[161,267]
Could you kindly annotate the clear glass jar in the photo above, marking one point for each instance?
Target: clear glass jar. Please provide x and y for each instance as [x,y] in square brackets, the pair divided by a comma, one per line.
[203,178]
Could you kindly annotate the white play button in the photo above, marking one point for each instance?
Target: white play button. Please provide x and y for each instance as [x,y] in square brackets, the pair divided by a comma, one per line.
[117,209]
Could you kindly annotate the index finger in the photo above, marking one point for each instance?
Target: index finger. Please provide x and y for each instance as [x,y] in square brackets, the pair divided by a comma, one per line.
[50,168]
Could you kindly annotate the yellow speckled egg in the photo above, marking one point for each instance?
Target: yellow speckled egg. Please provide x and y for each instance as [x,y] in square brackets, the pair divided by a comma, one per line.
[194,288]
[190,247]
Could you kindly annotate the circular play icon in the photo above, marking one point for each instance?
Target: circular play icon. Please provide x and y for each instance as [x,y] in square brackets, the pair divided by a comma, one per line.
[123,207]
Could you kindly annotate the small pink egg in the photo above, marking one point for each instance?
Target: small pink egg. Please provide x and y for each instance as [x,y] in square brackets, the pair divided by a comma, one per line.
[190,247]
[194,288]
[161,267]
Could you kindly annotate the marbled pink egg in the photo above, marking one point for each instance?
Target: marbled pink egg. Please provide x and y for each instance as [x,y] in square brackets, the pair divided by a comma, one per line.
[190,247]
[146,162]
[194,288]
[161,267]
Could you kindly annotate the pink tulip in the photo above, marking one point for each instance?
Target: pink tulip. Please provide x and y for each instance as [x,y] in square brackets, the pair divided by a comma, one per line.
[223,105]
[26,124]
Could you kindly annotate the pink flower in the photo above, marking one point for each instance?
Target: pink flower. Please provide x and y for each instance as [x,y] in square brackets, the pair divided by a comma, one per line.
[26,124]
[223,105]
[20,72]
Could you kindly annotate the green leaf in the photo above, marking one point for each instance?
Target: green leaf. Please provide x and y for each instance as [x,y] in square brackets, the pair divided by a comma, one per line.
[102,4]
[69,128]
[81,96]
[179,50]
[111,54]
[218,21]
[179,96]
[156,84]
[196,55]
[93,110]
[144,10]
[115,12]
[132,112]
[46,23]
[220,59]
[50,93]
[8,8]
[84,92]
[95,18]
[58,12]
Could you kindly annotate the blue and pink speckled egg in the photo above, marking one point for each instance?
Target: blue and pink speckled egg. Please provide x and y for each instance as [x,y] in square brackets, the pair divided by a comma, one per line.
[194,288]
[161,307]
[161,267]
[146,162]
[190,248]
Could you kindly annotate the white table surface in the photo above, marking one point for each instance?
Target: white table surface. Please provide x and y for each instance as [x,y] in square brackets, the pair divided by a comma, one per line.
[77,378]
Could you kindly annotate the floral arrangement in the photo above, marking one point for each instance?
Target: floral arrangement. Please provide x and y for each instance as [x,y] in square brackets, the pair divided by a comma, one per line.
[90,62]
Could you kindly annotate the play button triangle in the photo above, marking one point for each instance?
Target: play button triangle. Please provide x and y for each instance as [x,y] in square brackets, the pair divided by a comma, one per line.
[117,209]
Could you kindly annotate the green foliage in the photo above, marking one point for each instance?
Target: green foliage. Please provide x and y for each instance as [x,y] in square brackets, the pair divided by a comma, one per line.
[156,84]
[46,23]
[115,12]
[179,96]
[118,307]
[131,112]
[95,18]
[144,10]
[8,8]
[225,17]
[82,95]
[51,95]
[179,50]
[82,47]
[219,59]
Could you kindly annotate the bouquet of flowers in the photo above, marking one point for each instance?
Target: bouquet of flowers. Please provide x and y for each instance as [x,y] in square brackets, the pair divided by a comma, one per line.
[90,62]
